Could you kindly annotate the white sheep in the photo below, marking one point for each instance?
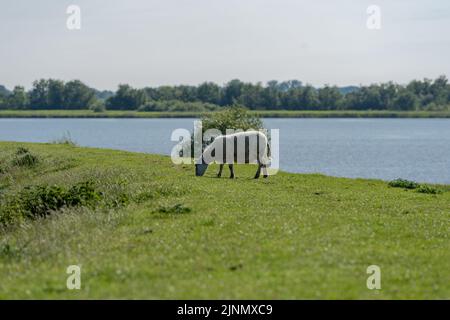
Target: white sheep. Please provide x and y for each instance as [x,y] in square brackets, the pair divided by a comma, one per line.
[241,147]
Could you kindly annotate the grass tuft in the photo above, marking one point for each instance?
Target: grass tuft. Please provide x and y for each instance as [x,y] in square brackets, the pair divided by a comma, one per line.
[175,209]
[66,139]
[24,158]
[421,188]
[403,183]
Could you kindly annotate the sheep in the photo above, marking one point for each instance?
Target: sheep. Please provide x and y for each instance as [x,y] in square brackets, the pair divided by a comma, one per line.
[243,147]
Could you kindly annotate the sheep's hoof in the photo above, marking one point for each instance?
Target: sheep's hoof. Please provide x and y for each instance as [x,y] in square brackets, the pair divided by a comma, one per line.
[232,177]
[266,176]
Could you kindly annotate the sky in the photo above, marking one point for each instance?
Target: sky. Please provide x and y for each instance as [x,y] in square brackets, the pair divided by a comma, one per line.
[170,42]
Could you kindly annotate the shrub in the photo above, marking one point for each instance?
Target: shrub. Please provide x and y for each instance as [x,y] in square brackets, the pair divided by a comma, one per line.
[428,189]
[234,117]
[406,184]
[40,201]
[10,250]
[21,151]
[11,212]
[402,183]
[82,194]
[24,158]
[2,168]
[98,106]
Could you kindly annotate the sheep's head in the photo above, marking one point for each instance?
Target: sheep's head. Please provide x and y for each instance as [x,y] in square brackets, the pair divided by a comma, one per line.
[200,168]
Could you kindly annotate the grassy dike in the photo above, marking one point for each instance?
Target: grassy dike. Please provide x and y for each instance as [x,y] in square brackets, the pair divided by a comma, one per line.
[157,231]
[261,113]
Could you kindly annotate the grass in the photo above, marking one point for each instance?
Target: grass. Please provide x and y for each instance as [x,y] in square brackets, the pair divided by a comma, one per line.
[292,236]
[65,139]
[262,113]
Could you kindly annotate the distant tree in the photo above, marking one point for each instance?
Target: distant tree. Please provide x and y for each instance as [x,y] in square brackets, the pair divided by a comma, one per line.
[309,98]
[209,92]
[330,98]
[285,86]
[252,96]
[103,95]
[166,93]
[127,98]
[405,101]
[372,98]
[419,88]
[423,91]
[186,93]
[423,94]
[367,98]
[3,104]
[271,96]
[4,92]
[39,94]
[388,92]
[140,98]
[55,94]
[348,89]
[291,99]
[231,92]
[3,97]
[440,90]
[77,95]
[18,99]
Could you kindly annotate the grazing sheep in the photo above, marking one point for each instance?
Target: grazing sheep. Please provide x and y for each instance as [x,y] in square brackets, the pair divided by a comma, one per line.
[241,147]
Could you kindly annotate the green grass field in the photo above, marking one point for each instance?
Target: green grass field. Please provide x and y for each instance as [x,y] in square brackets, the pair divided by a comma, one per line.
[262,113]
[161,232]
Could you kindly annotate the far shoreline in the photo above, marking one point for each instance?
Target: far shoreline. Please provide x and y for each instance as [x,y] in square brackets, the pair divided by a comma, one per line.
[87,114]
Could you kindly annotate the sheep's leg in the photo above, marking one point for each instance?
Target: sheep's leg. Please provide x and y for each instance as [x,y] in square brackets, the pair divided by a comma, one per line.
[266,174]
[231,171]
[219,174]
[258,171]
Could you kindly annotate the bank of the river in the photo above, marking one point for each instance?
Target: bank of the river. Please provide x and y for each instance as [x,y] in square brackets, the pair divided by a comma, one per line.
[262,113]
[154,230]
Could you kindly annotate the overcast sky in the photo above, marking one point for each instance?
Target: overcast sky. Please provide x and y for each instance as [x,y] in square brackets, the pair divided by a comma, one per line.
[157,42]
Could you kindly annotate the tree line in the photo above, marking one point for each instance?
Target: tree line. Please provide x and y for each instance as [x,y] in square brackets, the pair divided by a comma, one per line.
[424,94]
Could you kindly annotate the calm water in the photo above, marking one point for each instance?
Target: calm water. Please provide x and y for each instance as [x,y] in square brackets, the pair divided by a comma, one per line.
[416,149]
